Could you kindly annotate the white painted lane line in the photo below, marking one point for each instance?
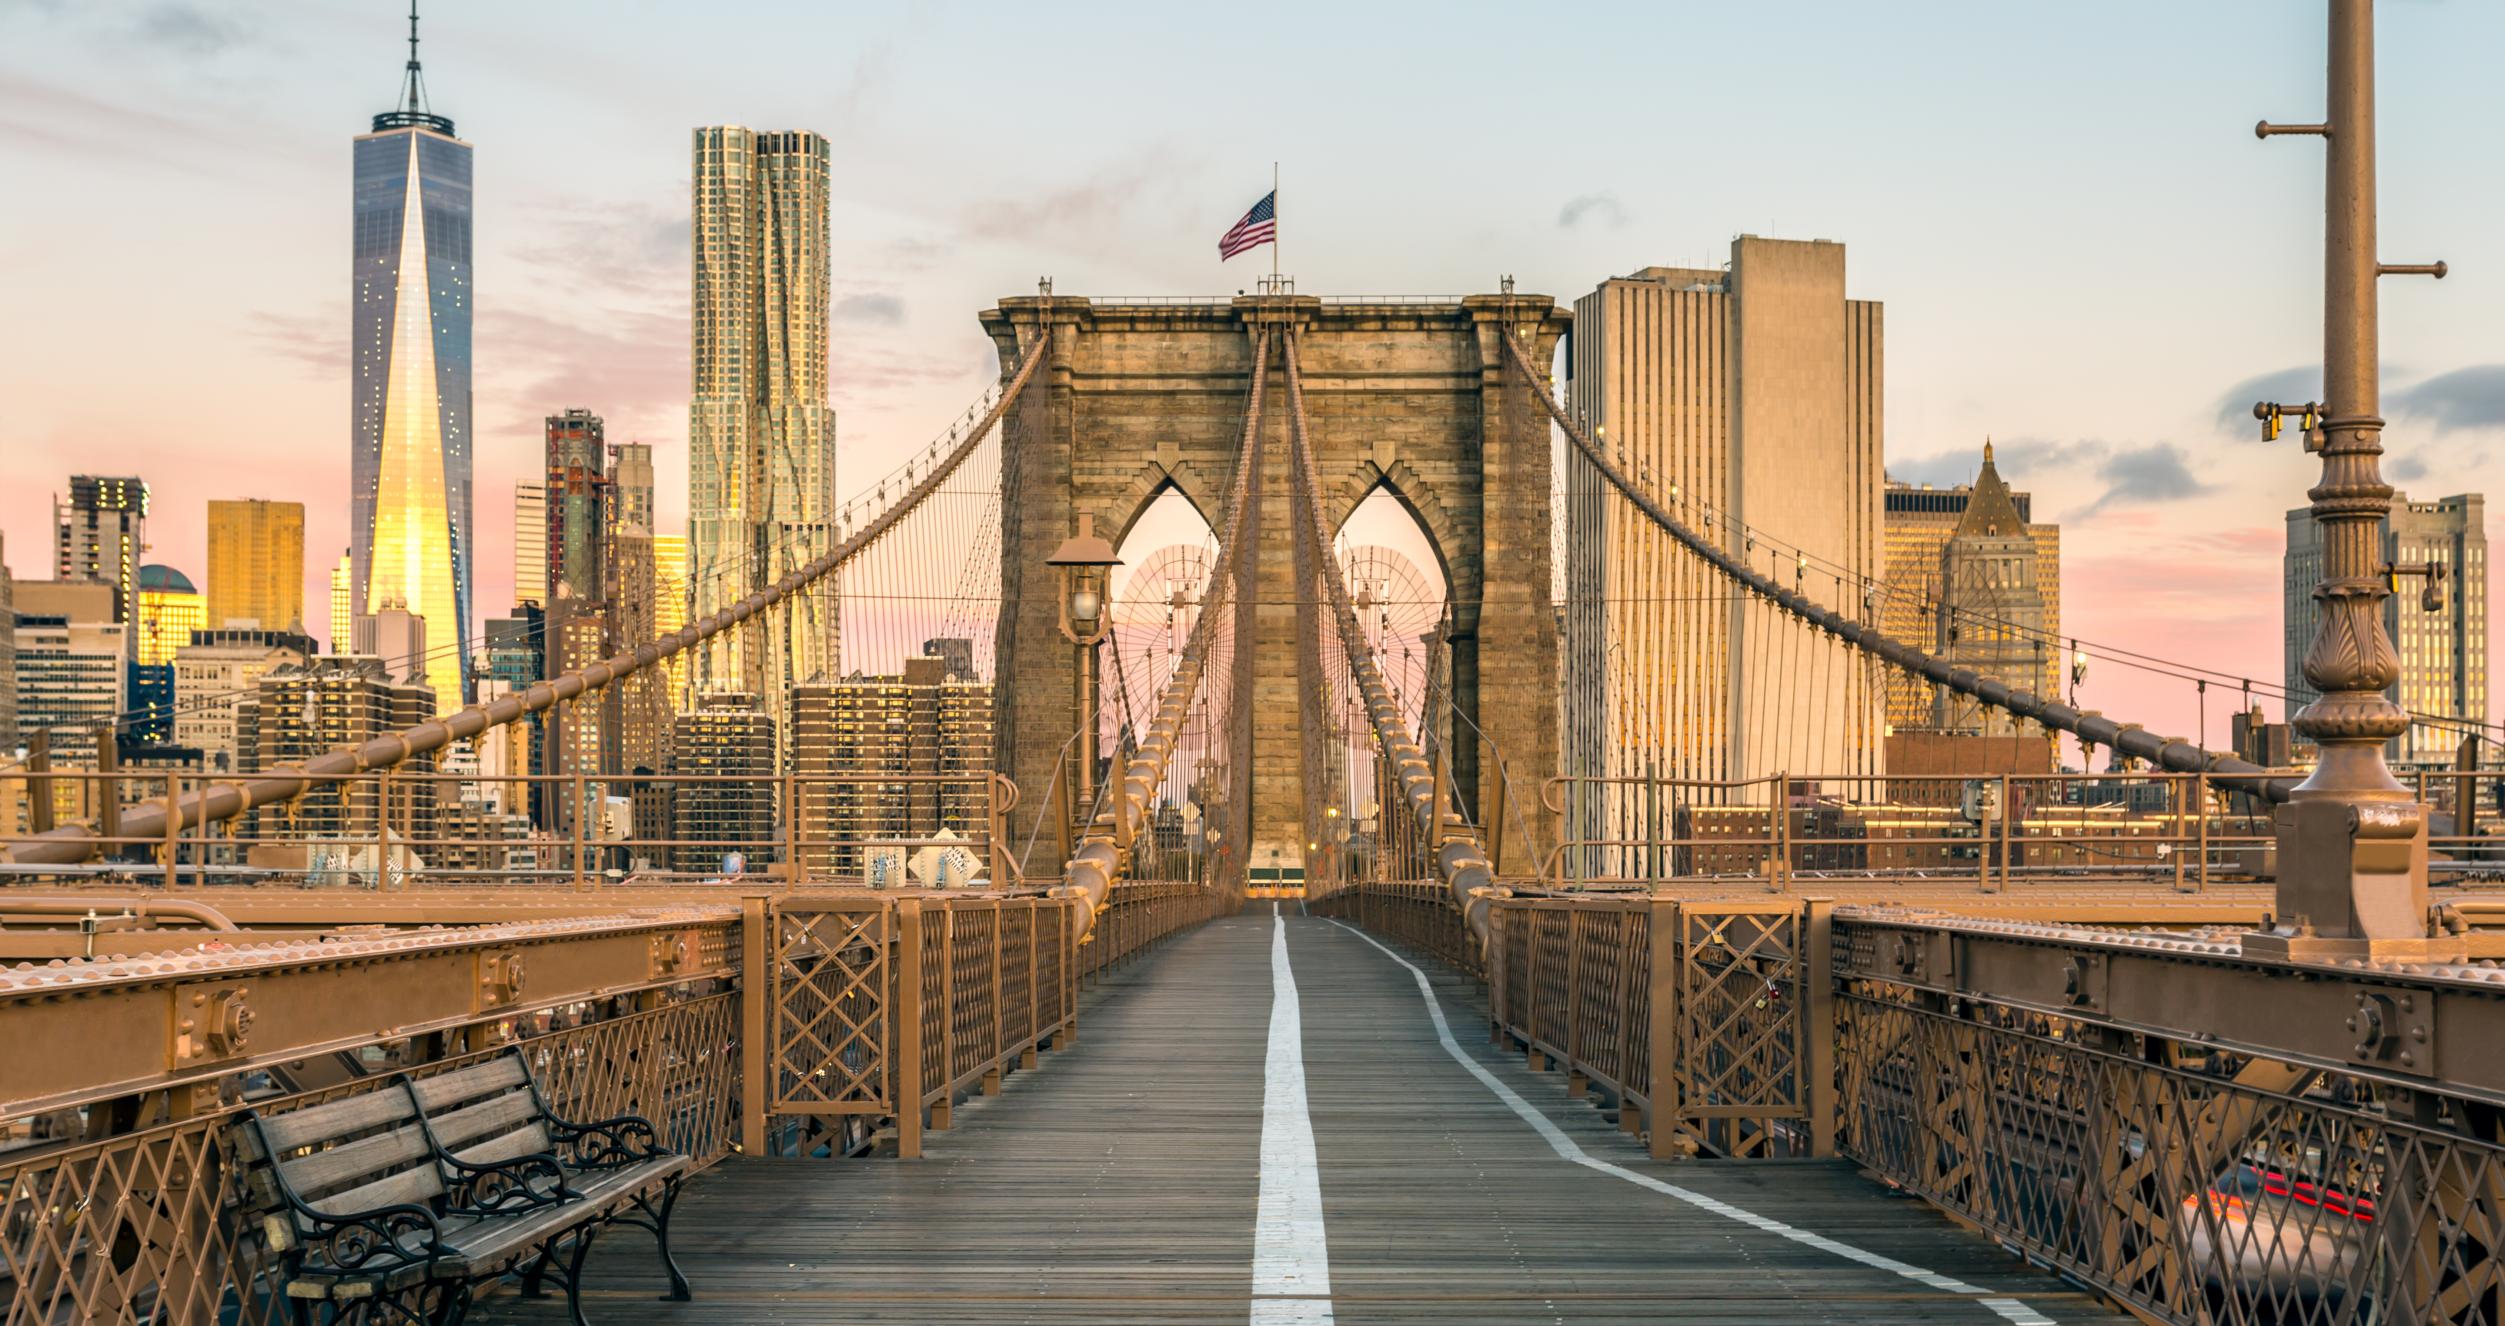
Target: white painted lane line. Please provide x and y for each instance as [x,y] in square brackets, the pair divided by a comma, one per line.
[1566,1147]
[1291,1269]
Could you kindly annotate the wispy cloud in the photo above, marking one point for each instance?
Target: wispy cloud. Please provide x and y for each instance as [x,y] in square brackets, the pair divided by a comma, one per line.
[876,308]
[1598,208]
[187,30]
[2472,397]
[627,366]
[317,342]
[2146,476]
[631,250]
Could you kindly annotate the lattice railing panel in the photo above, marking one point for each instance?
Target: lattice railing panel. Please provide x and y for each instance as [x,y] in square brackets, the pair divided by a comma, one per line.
[2188,1193]
[830,1002]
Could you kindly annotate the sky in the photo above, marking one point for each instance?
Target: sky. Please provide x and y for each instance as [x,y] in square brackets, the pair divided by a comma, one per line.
[2083,251]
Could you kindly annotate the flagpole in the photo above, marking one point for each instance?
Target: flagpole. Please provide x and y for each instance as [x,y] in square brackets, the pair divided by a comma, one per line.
[1274,227]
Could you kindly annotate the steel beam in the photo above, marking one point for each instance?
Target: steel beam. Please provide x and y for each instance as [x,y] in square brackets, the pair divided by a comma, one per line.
[83,1032]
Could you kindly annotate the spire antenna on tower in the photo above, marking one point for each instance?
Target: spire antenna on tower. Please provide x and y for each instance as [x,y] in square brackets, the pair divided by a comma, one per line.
[411,110]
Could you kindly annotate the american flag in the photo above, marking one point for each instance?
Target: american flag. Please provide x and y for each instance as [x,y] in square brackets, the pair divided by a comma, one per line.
[1260,226]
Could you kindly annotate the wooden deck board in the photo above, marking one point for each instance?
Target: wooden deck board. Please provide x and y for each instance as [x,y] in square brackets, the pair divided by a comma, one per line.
[1117,1184]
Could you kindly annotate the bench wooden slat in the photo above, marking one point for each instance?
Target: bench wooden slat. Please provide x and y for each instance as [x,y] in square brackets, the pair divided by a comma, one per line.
[322,1172]
[447,1091]
[528,1141]
[315,1124]
[418,1186]
[468,1127]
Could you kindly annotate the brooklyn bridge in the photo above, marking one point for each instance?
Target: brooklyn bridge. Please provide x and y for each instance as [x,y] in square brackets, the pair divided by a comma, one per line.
[1311,946]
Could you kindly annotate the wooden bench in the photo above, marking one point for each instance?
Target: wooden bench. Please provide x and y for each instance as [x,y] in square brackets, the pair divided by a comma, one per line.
[398,1203]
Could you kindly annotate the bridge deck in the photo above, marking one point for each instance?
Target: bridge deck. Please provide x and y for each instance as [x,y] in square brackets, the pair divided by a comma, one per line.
[1120,1183]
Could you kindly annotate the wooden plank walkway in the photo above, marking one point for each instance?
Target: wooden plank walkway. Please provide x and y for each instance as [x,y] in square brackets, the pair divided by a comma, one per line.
[1119,1182]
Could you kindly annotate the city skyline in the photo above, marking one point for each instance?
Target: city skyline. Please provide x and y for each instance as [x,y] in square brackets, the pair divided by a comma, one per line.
[2101,411]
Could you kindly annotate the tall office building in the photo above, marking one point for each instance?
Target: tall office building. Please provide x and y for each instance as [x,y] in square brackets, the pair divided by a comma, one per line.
[1917,525]
[761,437]
[2443,652]
[410,304]
[517,659]
[638,705]
[211,676]
[577,491]
[1753,393]
[99,533]
[170,610]
[73,663]
[726,746]
[300,711]
[530,543]
[868,754]
[669,613]
[343,604]
[256,565]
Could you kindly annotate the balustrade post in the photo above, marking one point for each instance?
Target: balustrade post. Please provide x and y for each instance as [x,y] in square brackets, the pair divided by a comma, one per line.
[2200,804]
[1817,1033]
[174,833]
[2008,808]
[1661,1090]
[996,827]
[382,831]
[756,1049]
[905,1027]
[582,794]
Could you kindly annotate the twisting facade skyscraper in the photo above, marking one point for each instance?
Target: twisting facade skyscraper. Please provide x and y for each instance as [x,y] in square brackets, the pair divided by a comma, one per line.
[761,437]
[409,496]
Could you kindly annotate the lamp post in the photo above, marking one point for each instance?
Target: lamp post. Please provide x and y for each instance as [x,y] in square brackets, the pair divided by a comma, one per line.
[2352,841]
[1084,561]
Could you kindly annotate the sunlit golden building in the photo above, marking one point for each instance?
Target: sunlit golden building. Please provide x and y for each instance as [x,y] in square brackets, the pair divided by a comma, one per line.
[256,565]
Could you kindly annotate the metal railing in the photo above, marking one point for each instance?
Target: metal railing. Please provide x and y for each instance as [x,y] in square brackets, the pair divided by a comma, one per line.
[402,828]
[1997,831]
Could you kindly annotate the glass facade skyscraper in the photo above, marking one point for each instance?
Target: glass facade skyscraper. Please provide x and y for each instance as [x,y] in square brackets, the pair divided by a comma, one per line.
[411,530]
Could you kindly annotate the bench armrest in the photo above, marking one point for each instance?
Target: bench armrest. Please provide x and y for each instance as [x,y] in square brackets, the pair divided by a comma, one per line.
[375,1242]
[628,1139]
[524,1183]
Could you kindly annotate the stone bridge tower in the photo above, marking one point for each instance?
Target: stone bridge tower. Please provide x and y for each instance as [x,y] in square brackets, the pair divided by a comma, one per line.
[1414,397]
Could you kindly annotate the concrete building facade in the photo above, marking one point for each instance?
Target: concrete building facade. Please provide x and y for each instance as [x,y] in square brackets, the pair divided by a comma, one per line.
[213,675]
[73,664]
[888,757]
[1750,399]
[100,535]
[725,747]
